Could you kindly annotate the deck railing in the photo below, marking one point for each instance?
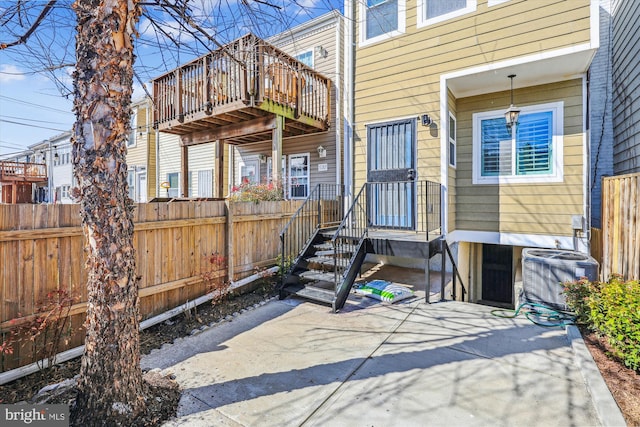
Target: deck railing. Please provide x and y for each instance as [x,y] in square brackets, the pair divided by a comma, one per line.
[245,72]
[18,171]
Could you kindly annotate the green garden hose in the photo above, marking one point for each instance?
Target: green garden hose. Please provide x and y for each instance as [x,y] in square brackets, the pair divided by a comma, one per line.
[538,314]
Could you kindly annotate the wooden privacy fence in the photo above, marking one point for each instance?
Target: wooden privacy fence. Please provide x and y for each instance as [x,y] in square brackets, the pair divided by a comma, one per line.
[42,250]
[621,226]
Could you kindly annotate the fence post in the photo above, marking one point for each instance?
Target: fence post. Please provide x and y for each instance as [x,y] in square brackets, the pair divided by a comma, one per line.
[230,246]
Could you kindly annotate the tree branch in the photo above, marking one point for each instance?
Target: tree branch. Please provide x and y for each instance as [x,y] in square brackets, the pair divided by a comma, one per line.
[22,39]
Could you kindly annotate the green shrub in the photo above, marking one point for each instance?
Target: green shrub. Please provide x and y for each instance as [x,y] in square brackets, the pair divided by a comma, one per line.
[611,309]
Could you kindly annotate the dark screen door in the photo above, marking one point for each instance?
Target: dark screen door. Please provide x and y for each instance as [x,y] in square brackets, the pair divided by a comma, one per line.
[391,174]
[497,273]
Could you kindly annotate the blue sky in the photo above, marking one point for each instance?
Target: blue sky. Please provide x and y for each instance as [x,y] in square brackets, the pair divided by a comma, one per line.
[36,105]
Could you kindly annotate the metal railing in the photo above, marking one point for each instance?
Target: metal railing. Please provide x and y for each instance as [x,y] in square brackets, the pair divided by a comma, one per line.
[349,235]
[405,205]
[323,208]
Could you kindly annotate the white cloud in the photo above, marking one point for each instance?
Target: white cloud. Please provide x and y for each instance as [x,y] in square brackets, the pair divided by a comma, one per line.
[10,73]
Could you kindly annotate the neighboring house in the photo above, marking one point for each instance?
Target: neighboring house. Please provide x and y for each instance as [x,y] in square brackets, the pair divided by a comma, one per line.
[56,154]
[20,176]
[141,153]
[600,112]
[626,86]
[238,114]
[431,86]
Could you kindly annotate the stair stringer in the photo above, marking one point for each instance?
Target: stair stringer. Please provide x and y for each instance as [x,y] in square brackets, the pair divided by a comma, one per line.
[343,290]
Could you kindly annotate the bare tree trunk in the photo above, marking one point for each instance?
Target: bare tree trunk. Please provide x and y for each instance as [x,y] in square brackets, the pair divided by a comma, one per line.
[110,388]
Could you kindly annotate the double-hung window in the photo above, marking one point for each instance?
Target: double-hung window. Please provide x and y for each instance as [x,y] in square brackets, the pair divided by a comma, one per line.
[531,153]
[131,141]
[433,11]
[381,19]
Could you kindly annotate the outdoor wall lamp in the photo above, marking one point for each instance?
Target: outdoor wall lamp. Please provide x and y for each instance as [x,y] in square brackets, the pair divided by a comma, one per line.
[321,52]
[512,114]
[322,152]
[425,119]
[56,156]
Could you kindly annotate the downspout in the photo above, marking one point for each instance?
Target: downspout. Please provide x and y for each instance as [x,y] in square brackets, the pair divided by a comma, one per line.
[586,162]
[338,116]
[157,133]
[444,166]
[349,75]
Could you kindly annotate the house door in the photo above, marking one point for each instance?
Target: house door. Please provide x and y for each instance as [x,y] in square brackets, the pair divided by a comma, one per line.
[497,273]
[391,174]
[142,187]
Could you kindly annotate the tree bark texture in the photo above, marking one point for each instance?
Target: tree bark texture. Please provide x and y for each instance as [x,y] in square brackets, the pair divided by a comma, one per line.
[110,387]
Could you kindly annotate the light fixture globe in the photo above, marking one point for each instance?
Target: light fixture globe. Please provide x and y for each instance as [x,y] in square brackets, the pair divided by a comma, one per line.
[512,114]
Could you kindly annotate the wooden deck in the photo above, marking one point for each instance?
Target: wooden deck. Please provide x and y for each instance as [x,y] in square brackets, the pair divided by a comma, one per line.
[11,172]
[235,92]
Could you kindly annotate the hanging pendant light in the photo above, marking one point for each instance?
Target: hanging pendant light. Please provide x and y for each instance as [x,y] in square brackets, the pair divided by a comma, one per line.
[512,114]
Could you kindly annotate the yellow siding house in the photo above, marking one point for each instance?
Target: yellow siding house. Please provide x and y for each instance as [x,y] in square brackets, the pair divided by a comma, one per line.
[431,82]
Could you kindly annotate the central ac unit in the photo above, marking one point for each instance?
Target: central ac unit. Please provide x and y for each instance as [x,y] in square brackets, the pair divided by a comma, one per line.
[545,270]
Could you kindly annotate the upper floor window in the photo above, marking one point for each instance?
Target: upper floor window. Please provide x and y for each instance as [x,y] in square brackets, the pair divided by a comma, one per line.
[62,156]
[306,58]
[131,142]
[452,140]
[533,153]
[381,19]
[433,11]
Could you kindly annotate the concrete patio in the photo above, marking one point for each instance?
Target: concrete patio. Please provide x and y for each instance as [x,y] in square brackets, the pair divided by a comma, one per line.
[291,363]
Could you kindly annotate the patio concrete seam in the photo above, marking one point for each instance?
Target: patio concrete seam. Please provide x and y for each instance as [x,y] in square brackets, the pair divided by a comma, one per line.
[357,368]
[603,401]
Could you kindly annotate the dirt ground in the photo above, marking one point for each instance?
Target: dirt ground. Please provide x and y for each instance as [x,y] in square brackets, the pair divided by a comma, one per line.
[623,382]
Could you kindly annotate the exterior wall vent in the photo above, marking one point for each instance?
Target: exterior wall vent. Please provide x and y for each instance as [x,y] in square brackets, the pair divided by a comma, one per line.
[545,270]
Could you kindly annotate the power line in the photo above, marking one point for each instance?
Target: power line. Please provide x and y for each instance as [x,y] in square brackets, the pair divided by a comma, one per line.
[33,126]
[30,120]
[45,107]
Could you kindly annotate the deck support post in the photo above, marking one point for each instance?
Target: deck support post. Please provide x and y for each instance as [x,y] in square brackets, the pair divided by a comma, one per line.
[427,277]
[443,279]
[219,169]
[276,151]
[184,166]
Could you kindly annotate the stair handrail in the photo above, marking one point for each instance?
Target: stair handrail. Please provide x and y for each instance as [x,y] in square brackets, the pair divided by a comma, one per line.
[308,227]
[343,225]
[456,272]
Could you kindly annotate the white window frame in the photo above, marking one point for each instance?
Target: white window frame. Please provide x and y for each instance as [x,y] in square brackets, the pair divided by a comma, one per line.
[452,141]
[270,166]
[423,21]
[304,52]
[248,161]
[496,2]
[290,177]
[131,181]
[132,139]
[169,190]
[557,175]
[402,17]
